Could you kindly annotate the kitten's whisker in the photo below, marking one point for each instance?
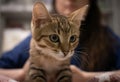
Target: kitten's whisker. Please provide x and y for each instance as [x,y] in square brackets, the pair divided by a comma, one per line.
[81,52]
[77,61]
[83,49]
[77,57]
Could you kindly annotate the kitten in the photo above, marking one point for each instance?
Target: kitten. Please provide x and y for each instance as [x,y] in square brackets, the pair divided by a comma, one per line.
[54,38]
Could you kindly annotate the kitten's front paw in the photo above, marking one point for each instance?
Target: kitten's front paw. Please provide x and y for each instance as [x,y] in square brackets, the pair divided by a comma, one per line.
[65,76]
[37,75]
[40,79]
[65,79]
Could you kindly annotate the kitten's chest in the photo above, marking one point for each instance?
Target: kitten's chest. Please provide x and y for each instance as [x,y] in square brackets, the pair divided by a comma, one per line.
[49,64]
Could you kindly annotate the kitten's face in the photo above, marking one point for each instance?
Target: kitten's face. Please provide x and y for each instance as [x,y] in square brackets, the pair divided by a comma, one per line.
[59,35]
[56,35]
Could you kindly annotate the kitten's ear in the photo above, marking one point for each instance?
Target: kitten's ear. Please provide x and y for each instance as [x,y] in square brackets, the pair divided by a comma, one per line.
[40,12]
[78,15]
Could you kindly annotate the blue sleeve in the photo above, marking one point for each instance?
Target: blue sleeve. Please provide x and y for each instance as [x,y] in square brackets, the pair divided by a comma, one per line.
[117,52]
[118,57]
[116,48]
[17,56]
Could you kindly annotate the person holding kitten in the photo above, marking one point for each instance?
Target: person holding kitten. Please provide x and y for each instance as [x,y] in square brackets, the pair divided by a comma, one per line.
[98,50]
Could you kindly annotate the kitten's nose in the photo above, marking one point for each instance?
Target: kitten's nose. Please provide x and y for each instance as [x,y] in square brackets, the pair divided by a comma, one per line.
[65,53]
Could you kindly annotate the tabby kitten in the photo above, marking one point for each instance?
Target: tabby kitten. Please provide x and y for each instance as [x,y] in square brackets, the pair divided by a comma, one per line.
[54,38]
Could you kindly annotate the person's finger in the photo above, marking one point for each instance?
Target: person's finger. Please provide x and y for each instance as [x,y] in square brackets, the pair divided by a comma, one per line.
[75,69]
[78,75]
[6,79]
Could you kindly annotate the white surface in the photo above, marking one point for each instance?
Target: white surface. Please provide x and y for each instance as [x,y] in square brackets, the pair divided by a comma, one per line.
[12,37]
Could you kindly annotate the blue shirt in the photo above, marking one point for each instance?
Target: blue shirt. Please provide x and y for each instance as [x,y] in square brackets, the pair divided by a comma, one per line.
[17,57]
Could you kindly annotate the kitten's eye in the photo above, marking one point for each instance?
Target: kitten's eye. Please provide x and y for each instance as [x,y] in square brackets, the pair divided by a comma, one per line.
[73,38]
[54,38]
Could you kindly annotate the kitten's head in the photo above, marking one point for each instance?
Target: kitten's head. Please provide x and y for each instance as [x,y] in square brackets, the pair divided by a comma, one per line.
[56,34]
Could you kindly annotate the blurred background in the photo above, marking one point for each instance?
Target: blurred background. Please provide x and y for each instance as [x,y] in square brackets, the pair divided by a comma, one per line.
[15,18]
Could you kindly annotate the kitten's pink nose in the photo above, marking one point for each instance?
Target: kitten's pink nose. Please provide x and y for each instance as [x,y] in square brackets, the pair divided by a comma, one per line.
[65,53]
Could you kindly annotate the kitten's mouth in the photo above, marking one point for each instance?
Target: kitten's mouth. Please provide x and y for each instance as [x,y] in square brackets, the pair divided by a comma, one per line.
[62,54]
[65,53]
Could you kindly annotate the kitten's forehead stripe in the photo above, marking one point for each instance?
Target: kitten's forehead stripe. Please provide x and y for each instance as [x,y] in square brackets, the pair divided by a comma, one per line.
[62,23]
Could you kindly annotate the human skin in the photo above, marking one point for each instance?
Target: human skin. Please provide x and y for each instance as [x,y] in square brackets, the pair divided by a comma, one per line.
[82,76]
[65,7]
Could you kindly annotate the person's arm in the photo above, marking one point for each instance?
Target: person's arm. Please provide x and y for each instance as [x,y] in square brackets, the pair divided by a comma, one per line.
[16,57]
[82,76]
[6,79]
[16,74]
[12,62]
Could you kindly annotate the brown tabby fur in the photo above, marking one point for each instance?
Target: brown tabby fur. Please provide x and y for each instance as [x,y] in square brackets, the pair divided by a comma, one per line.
[97,51]
[50,60]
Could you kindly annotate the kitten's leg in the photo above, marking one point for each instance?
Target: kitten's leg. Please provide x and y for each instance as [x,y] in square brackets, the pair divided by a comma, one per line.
[64,75]
[37,75]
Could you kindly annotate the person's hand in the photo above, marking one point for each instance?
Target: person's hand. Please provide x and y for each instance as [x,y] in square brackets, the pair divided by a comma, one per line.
[6,79]
[17,74]
[106,77]
[25,69]
[78,75]
[26,66]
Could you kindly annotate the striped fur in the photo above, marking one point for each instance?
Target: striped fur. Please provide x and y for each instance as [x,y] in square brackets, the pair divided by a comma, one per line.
[54,38]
